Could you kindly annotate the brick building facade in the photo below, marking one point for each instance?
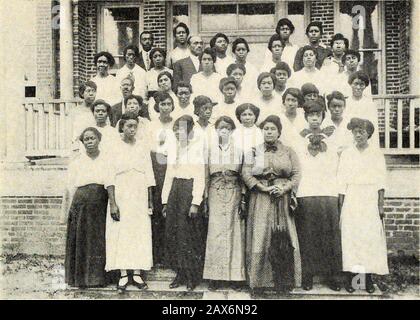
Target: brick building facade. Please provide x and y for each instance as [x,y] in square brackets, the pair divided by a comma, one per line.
[29,221]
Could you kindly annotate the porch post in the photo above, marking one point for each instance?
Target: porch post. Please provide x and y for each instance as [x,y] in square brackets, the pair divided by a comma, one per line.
[414,48]
[66,50]
[12,128]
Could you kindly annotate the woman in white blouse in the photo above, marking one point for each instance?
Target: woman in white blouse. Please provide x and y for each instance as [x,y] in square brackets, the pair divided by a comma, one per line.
[317,219]
[361,178]
[158,61]
[207,81]
[108,87]
[310,72]
[165,82]
[129,234]
[89,189]
[182,195]
[268,101]
[162,138]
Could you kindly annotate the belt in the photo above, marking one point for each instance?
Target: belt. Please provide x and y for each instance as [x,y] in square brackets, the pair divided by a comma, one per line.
[225,173]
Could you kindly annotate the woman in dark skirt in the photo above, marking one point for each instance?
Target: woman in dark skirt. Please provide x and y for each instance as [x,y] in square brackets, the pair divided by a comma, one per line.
[317,219]
[182,195]
[90,187]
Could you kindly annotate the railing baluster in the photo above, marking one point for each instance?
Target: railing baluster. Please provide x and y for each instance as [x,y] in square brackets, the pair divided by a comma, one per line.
[62,126]
[387,126]
[412,113]
[400,123]
[51,127]
[41,127]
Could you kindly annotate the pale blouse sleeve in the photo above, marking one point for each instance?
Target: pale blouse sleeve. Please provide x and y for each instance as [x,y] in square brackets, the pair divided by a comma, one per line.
[167,185]
[295,174]
[198,184]
[380,164]
[247,176]
[149,170]
[109,172]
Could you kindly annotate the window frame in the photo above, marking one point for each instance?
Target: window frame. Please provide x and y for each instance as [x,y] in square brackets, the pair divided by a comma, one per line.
[100,22]
[382,76]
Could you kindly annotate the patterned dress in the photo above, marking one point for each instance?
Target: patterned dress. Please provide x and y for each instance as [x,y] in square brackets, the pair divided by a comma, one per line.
[225,251]
[275,165]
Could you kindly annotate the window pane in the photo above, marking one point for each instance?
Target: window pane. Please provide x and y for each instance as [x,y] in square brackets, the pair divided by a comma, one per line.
[180,14]
[256,16]
[296,14]
[360,23]
[121,28]
[218,17]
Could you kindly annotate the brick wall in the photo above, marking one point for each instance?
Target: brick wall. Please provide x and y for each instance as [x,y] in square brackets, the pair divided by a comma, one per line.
[402,225]
[396,37]
[155,21]
[84,41]
[31,225]
[45,58]
[323,10]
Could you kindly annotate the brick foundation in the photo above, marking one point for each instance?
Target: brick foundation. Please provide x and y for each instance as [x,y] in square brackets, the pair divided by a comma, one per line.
[31,225]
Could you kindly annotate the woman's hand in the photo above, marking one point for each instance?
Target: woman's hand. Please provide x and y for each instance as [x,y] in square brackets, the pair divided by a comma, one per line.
[164,211]
[115,212]
[278,191]
[193,211]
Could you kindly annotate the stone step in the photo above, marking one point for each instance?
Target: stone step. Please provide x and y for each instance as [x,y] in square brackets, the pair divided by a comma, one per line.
[160,290]
[160,274]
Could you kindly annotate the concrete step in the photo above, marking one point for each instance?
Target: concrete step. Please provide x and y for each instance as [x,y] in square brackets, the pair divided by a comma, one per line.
[160,274]
[160,290]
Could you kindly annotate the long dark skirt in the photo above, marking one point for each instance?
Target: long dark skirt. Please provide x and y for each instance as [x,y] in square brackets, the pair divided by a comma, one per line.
[85,246]
[158,221]
[184,249]
[317,224]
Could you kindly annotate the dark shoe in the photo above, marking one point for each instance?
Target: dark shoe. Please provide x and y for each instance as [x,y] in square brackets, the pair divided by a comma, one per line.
[348,283]
[141,286]
[236,286]
[370,287]
[178,281]
[122,289]
[349,288]
[213,285]
[307,283]
[334,285]
[190,286]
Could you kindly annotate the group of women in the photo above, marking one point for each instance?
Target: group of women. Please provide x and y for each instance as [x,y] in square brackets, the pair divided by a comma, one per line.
[202,177]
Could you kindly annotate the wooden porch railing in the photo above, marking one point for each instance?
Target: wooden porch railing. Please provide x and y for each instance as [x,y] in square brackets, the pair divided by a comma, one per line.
[399,123]
[48,127]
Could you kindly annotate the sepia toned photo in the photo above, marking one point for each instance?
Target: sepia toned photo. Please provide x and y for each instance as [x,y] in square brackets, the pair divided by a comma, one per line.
[209,150]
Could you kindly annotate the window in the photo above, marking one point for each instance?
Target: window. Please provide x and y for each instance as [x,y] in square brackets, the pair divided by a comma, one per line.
[237,17]
[180,14]
[121,25]
[361,23]
[296,14]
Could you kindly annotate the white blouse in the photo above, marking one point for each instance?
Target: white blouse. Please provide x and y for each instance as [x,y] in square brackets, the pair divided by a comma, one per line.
[319,173]
[186,163]
[152,76]
[299,78]
[139,76]
[207,86]
[290,133]
[108,89]
[268,107]
[365,167]
[83,171]
[133,157]
[162,136]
